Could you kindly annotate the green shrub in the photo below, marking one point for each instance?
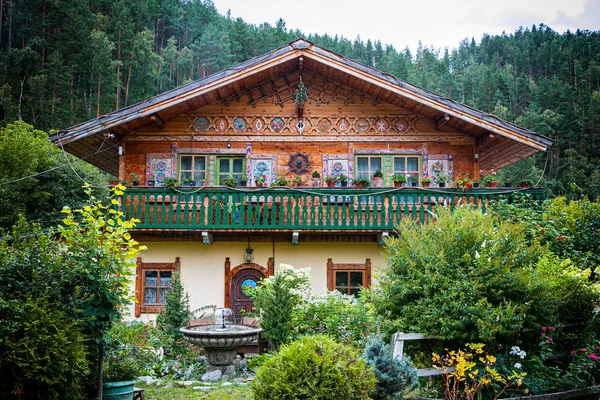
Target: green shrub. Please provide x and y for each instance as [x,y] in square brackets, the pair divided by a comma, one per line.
[177,310]
[314,367]
[276,298]
[456,277]
[395,378]
[345,318]
[44,357]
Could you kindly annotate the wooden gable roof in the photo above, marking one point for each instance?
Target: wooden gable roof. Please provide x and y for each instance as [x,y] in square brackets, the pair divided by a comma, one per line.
[500,143]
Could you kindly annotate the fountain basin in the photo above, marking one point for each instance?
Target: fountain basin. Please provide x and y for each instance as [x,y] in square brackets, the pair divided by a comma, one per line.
[220,344]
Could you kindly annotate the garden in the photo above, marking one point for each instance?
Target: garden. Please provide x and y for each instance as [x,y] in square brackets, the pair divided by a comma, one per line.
[508,299]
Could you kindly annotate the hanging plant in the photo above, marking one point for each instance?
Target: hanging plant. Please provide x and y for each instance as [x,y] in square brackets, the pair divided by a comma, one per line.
[301,94]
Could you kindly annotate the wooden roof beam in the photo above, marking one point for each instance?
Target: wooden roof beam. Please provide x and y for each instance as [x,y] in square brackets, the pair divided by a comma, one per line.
[443,120]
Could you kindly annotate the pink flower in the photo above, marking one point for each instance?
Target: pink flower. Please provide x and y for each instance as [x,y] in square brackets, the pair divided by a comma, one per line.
[543,328]
[594,357]
[552,329]
[550,340]
[597,348]
[543,334]
[584,350]
[573,352]
[581,367]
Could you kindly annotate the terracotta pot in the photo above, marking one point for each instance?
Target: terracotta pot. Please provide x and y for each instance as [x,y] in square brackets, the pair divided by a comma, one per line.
[398,184]
[331,184]
[524,185]
[426,184]
[493,184]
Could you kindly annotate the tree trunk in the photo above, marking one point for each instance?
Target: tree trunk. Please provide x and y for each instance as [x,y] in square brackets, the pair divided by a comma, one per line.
[98,102]
[118,70]
[21,99]
[127,85]
[100,369]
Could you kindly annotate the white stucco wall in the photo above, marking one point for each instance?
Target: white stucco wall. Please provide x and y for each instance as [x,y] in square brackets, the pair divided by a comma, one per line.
[203,267]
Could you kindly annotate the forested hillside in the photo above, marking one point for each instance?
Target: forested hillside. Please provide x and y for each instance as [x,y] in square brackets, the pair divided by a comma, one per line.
[66,61]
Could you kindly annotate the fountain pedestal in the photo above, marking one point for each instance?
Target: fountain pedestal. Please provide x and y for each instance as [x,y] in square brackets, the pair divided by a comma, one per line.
[221,343]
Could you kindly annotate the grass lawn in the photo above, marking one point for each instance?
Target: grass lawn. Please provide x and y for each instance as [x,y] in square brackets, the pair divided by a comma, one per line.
[233,392]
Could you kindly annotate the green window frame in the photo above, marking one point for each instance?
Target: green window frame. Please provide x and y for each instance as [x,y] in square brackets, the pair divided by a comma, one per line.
[407,165]
[192,167]
[230,167]
[365,166]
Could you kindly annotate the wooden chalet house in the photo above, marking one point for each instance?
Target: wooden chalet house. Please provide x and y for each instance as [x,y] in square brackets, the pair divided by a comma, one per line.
[244,123]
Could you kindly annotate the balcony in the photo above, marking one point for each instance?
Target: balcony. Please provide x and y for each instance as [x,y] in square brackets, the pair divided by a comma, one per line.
[296,209]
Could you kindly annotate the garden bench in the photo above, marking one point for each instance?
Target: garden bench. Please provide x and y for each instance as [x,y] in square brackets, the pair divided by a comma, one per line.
[138,394]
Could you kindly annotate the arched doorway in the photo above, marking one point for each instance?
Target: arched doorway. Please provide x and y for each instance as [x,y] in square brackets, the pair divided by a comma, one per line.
[237,282]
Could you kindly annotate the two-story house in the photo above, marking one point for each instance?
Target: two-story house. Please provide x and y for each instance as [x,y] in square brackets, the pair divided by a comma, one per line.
[242,126]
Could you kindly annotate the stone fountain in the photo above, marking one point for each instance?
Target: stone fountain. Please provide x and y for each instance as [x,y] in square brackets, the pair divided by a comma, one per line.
[221,339]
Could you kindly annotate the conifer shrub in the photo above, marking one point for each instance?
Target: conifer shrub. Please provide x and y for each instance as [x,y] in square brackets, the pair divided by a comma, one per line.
[314,367]
[395,378]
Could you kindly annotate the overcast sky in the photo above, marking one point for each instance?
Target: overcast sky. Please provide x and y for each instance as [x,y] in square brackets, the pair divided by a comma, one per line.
[404,23]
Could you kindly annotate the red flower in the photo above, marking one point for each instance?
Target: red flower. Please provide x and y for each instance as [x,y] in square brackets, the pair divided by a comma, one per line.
[573,352]
[584,350]
[550,340]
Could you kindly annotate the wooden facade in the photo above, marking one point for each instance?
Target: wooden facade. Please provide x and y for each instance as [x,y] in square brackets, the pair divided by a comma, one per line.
[243,123]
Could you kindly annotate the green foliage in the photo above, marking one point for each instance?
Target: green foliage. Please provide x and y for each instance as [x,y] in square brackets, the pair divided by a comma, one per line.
[276,298]
[458,277]
[314,367]
[170,183]
[395,379]
[177,311]
[344,318]
[26,151]
[44,355]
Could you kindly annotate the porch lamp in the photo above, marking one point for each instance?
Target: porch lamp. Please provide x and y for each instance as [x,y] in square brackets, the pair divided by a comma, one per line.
[249,253]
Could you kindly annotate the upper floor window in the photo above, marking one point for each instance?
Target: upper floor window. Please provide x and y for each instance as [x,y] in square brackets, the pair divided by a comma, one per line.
[192,168]
[407,165]
[231,167]
[367,165]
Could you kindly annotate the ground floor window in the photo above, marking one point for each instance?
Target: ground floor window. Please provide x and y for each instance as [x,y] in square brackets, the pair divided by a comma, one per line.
[153,280]
[348,278]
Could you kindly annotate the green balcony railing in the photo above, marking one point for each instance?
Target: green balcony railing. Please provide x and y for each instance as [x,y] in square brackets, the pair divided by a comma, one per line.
[306,209]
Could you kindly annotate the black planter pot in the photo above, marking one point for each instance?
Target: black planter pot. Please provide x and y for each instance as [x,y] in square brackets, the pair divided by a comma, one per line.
[192,183]
[344,184]
[508,185]
[152,183]
[475,185]
[442,184]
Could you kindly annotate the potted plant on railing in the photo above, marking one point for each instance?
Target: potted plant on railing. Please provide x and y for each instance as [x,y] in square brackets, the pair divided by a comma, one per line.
[426,181]
[378,179]
[119,373]
[463,181]
[343,180]
[399,180]
[508,182]
[281,181]
[170,183]
[297,181]
[491,179]
[316,179]
[260,180]
[442,179]
[330,181]
[151,180]
[362,183]
[475,183]
[525,183]
[414,179]
[135,179]
[243,181]
[187,182]
[229,182]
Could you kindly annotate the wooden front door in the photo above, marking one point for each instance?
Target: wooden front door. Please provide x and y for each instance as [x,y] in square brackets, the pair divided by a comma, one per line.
[241,282]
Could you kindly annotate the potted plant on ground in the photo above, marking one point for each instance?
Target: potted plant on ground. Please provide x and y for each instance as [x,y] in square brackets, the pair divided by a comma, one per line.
[362,183]
[378,179]
[343,180]
[135,179]
[426,181]
[491,179]
[170,183]
[229,182]
[442,180]
[151,180]
[119,372]
[316,179]
[399,180]
[330,181]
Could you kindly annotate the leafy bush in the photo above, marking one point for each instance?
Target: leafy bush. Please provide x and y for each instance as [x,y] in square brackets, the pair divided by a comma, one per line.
[276,298]
[458,277]
[44,356]
[344,318]
[395,378]
[314,367]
